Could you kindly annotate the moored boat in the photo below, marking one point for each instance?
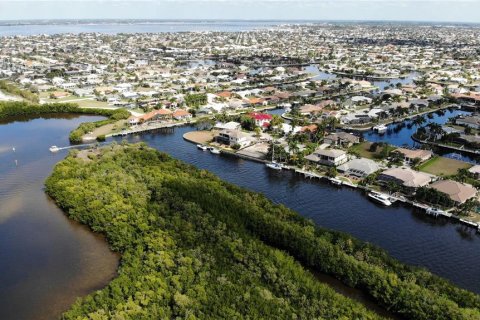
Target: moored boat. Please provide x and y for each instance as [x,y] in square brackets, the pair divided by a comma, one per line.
[381,128]
[214,150]
[335,181]
[274,165]
[380,198]
[202,147]
[434,211]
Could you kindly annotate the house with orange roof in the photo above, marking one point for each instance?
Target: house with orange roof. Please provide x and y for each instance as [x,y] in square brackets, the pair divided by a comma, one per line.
[155,115]
[181,114]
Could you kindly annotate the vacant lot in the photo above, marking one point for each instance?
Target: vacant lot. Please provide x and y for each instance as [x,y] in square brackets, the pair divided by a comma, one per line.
[363,150]
[441,166]
[201,137]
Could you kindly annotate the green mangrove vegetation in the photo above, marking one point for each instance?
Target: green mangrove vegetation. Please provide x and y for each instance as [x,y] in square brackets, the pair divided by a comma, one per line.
[196,247]
[13,109]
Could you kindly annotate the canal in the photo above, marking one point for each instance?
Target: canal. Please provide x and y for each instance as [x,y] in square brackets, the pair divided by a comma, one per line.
[46,260]
[401,135]
[444,247]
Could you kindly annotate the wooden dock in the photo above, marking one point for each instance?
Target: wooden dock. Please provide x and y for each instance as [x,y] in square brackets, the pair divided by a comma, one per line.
[150,128]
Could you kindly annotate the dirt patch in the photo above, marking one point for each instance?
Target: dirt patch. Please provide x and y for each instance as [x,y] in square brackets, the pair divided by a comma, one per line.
[88,154]
[200,137]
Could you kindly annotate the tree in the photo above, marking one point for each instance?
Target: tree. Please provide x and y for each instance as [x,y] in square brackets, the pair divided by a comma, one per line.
[258,132]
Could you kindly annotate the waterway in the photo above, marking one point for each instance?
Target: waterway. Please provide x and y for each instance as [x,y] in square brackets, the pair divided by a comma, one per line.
[444,247]
[46,260]
[403,136]
[112,27]
[381,84]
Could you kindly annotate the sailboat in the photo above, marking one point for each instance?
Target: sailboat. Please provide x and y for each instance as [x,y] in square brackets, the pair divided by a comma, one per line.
[273,164]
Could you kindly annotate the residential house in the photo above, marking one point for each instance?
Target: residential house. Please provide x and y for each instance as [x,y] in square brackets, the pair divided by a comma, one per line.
[456,191]
[342,139]
[233,137]
[181,115]
[406,177]
[471,121]
[329,157]
[359,167]
[261,119]
[475,170]
[409,155]
[232,125]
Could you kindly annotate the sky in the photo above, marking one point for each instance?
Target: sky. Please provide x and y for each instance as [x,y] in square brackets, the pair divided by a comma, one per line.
[398,10]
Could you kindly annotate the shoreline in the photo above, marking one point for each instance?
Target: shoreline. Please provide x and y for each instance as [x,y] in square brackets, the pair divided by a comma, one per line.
[310,174]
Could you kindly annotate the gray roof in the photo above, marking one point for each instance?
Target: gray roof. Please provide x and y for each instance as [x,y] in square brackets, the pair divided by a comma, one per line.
[334,153]
[363,165]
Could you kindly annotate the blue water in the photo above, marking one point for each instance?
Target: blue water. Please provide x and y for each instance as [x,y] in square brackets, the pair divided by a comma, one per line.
[404,136]
[446,248]
[135,27]
[381,84]
[46,260]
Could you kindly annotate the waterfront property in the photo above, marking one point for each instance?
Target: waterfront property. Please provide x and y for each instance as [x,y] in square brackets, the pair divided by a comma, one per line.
[406,177]
[233,138]
[329,157]
[359,168]
[456,191]
[412,155]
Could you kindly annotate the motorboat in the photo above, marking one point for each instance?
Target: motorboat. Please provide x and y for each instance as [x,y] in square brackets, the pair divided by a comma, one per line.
[54,149]
[381,128]
[335,181]
[202,147]
[434,211]
[380,198]
[214,150]
[274,165]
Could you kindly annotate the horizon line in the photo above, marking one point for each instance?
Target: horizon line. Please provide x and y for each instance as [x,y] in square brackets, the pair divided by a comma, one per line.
[236,19]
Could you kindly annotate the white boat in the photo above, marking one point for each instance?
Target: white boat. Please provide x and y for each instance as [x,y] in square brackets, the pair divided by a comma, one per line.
[54,149]
[434,211]
[335,181]
[202,147]
[274,165]
[380,198]
[214,150]
[381,128]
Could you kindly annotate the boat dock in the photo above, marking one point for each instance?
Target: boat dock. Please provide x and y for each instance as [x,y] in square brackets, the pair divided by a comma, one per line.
[149,128]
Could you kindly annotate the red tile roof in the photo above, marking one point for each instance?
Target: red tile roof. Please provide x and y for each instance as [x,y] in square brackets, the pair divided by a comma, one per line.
[260,116]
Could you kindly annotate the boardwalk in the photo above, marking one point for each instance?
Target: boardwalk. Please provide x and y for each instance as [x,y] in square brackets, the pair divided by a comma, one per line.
[146,128]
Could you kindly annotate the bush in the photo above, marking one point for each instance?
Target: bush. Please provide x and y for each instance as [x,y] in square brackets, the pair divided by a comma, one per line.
[221,251]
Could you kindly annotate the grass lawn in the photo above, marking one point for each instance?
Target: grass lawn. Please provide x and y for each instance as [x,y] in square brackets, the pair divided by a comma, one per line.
[92,103]
[441,166]
[363,149]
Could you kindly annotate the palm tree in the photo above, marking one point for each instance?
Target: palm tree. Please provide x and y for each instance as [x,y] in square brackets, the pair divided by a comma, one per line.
[418,121]
[435,130]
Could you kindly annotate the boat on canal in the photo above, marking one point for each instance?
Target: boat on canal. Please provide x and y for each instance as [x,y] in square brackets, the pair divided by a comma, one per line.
[202,147]
[380,198]
[381,128]
[214,150]
[274,165]
[434,211]
[335,181]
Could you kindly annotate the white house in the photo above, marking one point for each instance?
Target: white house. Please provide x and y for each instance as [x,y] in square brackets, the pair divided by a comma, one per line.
[329,157]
